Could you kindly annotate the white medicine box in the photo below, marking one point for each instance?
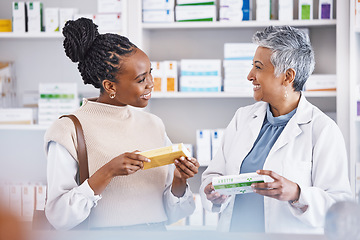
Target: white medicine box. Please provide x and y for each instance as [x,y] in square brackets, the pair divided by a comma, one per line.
[35,17]
[110,6]
[19,17]
[51,19]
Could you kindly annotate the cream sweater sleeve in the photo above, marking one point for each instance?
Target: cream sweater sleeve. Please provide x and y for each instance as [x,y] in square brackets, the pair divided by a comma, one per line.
[176,208]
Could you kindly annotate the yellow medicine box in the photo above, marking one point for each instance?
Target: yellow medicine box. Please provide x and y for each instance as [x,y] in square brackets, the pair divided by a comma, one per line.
[5,25]
[164,156]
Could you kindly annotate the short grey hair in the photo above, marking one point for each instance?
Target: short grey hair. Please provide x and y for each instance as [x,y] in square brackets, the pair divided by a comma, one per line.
[291,48]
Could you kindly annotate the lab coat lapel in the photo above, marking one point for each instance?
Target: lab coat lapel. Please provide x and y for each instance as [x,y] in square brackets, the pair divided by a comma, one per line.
[303,115]
[256,123]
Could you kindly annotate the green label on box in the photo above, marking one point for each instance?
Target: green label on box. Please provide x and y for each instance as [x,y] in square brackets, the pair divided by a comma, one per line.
[197,20]
[196,4]
[305,12]
[235,185]
[57,96]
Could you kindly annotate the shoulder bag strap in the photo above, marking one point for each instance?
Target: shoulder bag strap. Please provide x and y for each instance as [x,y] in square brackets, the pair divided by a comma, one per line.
[81,149]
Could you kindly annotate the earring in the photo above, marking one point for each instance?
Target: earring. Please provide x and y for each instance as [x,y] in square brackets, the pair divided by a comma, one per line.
[112,95]
[286,92]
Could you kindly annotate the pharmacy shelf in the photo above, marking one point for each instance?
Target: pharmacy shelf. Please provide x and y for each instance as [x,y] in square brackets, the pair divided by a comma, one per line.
[229,95]
[30,35]
[23,127]
[244,24]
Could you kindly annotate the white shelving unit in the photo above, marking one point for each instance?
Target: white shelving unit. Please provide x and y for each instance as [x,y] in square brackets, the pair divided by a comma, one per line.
[309,94]
[41,35]
[244,24]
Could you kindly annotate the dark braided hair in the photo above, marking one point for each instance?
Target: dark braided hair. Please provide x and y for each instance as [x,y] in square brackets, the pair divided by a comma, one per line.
[98,55]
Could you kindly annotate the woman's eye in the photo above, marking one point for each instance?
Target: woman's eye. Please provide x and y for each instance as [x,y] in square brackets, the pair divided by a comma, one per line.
[142,80]
[257,67]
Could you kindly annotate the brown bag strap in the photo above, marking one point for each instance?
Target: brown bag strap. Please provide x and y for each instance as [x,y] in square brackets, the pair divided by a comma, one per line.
[81,149]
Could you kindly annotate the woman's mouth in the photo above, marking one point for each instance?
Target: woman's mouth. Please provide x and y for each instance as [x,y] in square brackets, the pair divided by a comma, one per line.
[146,96]
[256,87]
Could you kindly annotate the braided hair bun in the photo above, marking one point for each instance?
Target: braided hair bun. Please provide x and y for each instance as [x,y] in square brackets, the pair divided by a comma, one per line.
[99,55]
[79,36]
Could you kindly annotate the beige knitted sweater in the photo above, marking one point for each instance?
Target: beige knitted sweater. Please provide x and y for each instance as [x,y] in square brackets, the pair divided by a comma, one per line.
[110,131]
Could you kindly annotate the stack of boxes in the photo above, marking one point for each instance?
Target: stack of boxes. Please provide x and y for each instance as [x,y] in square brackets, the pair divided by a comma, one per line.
[207,144]
[33,17]
[56,100]
[158,11]
[23,199]
[110,16]
[165,76]
[29,16]
[195,10]
[7,85]
[200,75]
[237,65]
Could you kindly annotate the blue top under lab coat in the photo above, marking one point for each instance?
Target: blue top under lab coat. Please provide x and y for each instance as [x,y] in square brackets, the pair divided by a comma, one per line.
[248,213]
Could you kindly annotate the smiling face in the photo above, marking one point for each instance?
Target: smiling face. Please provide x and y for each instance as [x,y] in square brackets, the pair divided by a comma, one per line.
[267,87]
[134,82]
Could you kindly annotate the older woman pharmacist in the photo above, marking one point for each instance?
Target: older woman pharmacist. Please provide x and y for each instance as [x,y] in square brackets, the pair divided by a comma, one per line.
[297,147]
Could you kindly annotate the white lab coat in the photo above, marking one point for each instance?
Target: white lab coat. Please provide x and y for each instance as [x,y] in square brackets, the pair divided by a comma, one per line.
[310,151]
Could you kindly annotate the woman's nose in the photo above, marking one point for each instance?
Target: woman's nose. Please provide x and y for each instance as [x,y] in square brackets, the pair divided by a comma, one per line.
[150,82]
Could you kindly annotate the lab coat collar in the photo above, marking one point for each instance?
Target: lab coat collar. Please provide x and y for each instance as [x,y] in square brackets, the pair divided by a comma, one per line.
[304,111]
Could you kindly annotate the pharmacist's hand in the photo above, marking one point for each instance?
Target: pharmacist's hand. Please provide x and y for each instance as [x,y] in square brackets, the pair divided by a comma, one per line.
[281,188]
[186,167]
[214,197]
[127,163]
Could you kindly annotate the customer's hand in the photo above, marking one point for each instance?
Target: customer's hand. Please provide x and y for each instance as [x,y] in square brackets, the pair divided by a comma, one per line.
[214,197]
[127,163]
[186,168]
[281,188]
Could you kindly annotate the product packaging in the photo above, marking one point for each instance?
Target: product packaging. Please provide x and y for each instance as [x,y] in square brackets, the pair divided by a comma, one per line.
[165,155]
[200,75]
[5,25]
[203,146]
[305,9]
[204,13]
[52,20]
[19,15]
[286,10]
[263,10]
[325,9]
[35,16]
[236,184]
